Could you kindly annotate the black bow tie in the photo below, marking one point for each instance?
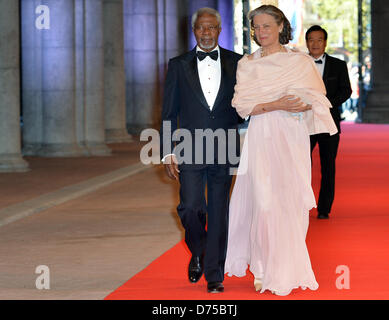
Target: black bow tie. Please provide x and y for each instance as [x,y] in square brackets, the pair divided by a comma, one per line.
[201,55]
[318,61]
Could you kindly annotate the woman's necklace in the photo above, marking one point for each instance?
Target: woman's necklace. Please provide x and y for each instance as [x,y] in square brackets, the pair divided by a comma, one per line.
[264,53]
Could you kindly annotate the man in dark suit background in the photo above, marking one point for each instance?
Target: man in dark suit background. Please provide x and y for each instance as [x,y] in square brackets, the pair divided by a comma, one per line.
[336,80]
[199,87]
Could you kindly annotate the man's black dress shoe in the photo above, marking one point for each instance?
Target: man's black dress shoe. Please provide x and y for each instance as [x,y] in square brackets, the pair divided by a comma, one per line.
[323,216]
[195,269]
[215,287]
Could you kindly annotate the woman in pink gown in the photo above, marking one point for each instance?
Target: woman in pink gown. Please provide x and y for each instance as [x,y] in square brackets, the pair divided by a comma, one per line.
[284,94]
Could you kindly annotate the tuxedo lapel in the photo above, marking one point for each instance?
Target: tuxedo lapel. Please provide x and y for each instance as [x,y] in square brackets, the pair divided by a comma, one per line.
[192,75]
[327,67]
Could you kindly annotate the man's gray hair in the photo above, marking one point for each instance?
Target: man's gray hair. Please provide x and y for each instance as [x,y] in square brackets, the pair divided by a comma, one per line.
[204,10]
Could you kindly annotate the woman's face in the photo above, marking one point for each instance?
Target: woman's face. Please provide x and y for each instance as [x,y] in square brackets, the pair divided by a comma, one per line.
[266,30]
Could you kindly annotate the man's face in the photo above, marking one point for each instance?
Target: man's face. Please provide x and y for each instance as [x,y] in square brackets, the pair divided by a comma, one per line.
[316,43]
[206,31]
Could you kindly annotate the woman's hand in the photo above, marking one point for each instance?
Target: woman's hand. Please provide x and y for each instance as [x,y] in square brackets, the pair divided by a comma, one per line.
[287,103]
[292,103]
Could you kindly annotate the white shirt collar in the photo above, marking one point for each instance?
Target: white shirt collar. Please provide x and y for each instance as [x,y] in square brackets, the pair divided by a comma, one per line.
[216,48]
[322,57]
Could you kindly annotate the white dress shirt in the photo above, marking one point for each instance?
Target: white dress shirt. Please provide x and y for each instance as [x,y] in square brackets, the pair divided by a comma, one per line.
[320,66]
[210,76]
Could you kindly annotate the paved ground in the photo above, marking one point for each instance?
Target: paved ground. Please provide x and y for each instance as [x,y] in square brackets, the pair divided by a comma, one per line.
[94,222]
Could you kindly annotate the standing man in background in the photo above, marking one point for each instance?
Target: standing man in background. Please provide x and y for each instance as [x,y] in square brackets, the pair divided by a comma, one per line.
[336,80]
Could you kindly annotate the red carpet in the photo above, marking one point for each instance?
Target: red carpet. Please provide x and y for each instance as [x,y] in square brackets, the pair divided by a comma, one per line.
[356,235]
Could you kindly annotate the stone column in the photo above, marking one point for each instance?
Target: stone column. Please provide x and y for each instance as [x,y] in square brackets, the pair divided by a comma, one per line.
[80,117]
[48,80]
[31,42]
[173,41]
[89,77]
[114,76]
[154,32]
[94,79]
[226,10]
[10,144]
[377,104]
[141,62]
[58,74]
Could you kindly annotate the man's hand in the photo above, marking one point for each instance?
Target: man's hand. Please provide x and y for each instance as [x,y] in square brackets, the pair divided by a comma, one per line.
[171,167]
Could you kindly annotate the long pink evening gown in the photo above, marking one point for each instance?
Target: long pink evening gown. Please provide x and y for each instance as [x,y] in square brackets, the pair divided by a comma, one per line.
[272,196]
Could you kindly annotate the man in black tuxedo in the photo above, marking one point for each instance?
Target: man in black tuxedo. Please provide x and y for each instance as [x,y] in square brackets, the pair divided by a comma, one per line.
[336,80]
[199,87]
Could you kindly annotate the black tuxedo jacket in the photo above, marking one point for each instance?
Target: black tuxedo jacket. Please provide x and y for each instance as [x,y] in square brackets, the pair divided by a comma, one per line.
[337,83]
[185,107]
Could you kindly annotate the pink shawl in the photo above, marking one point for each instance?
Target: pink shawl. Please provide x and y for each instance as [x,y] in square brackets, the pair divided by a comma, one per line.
[266,79]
